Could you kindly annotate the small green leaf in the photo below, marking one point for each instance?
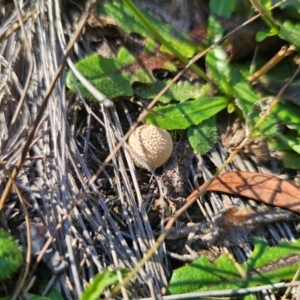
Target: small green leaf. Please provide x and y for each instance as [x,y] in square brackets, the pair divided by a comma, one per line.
[261,35]
[231,108]
[219,69]
[269,127]
[214,30]
[294,3]
[114,77]
[100,282]
[288,114]
[291,8]
[289,141]
[53,293]
[176,92]
[290,159]
[230,81]
[291,33]
[10,255]
[203,136]
[186,114]
[222,8]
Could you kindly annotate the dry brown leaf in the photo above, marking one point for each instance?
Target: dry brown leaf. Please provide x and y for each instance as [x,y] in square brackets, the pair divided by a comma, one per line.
[260,187]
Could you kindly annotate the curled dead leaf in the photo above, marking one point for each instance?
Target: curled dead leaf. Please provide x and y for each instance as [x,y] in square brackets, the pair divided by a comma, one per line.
[265,188]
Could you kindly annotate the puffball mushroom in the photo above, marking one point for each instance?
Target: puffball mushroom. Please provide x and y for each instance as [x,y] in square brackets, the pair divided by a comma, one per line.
[153,144]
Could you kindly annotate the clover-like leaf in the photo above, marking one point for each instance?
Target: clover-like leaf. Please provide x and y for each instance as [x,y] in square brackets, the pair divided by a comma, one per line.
[203,136]
[114,77]
[10,255]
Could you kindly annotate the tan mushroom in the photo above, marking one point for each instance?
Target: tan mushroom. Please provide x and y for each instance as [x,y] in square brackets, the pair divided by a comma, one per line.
[152,144]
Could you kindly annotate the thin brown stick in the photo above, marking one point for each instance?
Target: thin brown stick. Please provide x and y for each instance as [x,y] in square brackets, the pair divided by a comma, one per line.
[283,52]
[288,290]
[17,25]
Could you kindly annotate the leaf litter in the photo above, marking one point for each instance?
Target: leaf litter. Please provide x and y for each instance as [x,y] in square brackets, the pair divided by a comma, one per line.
[111,225]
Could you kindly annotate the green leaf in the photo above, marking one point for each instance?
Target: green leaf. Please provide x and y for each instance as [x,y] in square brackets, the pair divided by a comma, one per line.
[287,114]
[290,159]
[203,136]
[214,30]
[294,3]
[262,35]
[230,81]
[129,24]
[176,92]
[53,293]
[287,141]
[291,33]
[186,114]
[222,8]
[263,267]
[100,282]
[291,8]
[10,255]
[269,128]
[114,77]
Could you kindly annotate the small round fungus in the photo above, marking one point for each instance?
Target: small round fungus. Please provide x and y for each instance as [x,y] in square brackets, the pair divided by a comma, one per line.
[152,144]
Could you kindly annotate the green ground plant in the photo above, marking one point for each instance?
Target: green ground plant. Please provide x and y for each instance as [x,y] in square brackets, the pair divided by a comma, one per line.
[10,255]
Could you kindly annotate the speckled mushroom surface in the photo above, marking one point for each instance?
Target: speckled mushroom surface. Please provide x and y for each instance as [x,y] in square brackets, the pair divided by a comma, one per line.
[151,143]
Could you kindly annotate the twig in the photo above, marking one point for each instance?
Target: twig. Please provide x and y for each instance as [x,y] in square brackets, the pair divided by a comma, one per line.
[283,52]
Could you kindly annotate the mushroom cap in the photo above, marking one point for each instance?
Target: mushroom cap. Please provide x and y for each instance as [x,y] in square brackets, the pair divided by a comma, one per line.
[151,143]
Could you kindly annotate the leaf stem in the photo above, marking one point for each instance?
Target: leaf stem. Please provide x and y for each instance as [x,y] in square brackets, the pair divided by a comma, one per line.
[265,15]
